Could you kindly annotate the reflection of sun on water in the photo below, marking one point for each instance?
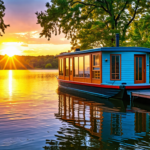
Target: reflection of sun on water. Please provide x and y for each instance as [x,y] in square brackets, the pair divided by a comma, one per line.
[10,83]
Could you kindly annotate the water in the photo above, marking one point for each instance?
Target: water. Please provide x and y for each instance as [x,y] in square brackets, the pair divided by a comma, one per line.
[35,114]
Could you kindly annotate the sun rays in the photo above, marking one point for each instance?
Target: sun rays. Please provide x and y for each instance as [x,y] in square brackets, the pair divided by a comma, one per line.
[10,52]
[12,62]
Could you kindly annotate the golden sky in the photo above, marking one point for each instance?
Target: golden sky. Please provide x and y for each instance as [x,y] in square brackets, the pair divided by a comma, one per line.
[22,36]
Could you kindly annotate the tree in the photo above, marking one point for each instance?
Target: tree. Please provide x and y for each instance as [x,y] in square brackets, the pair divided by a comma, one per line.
[139,34]
[55,63]
[3,26]
[48,66]
[90,23]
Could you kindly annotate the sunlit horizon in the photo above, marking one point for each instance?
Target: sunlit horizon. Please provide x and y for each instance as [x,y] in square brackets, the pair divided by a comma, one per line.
[24,32]
[24,49]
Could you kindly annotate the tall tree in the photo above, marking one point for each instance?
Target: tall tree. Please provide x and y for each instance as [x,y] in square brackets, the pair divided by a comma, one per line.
[139,33]
[3,26]
[90,23]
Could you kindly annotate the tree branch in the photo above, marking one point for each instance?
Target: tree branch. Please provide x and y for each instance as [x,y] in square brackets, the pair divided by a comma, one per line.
[134,14]
[90,11]
[122,10]
[83,3]
[107,10]
[86,4]
[107,5]
[100,1]
[135,11]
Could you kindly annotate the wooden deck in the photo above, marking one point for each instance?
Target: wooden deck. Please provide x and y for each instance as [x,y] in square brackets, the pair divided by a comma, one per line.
[142,94]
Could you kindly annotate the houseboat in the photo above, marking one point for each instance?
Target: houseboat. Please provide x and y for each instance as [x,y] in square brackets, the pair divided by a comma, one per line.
[105,72]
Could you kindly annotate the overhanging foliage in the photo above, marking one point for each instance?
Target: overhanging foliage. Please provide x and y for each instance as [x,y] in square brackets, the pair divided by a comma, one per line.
[3,26]
[90,23]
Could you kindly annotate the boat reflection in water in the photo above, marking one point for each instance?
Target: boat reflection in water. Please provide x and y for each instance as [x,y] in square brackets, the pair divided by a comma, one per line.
[89,124]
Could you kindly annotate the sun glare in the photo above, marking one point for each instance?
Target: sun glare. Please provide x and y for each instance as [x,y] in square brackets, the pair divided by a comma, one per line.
[11,51]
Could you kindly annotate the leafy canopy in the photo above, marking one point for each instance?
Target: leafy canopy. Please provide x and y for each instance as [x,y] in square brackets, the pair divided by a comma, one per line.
[90,23]
[3,26]
[139,34]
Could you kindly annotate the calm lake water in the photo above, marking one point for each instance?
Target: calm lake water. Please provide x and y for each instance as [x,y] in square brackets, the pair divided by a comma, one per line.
[35,114]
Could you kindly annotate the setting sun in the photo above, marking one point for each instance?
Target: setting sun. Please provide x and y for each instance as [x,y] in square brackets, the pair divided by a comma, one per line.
[11,51]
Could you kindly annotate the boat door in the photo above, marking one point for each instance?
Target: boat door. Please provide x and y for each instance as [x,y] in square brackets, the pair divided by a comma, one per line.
[70,69]
[139,69]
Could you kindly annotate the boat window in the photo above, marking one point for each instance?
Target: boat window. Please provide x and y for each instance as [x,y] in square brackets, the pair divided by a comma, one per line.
[70,66]
[96,60]
[115,67]
[76,69]
[61,67]
[80,66]
[67,67]
[96,66]
[87,66]
[139,68]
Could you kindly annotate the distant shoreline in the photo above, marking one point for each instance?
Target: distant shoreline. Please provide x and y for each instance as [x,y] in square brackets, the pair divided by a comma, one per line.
[43,69]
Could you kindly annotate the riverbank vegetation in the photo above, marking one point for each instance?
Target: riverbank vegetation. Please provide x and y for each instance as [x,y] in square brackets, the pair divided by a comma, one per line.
[28,62]
[90,24]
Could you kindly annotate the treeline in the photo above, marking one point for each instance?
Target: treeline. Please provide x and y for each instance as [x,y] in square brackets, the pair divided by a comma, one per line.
[28,62]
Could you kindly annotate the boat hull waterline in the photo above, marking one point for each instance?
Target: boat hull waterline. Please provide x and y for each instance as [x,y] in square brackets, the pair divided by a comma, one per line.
[106,91]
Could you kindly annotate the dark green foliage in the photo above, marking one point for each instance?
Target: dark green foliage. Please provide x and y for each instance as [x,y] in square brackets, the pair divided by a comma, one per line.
[140,32]
[28,62]
[91,23]
[3,26]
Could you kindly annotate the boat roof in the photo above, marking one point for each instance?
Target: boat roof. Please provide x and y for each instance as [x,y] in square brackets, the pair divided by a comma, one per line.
[108,49]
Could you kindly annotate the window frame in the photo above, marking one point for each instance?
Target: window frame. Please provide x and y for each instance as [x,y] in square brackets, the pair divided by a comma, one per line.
[98,66]
[62,66]
[115,68]
[74,67]
[84,65]
[70,66]
[79,65]
[66,67]
[143,66]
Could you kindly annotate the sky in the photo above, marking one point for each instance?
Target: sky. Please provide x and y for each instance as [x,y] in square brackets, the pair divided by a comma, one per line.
[23,34]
